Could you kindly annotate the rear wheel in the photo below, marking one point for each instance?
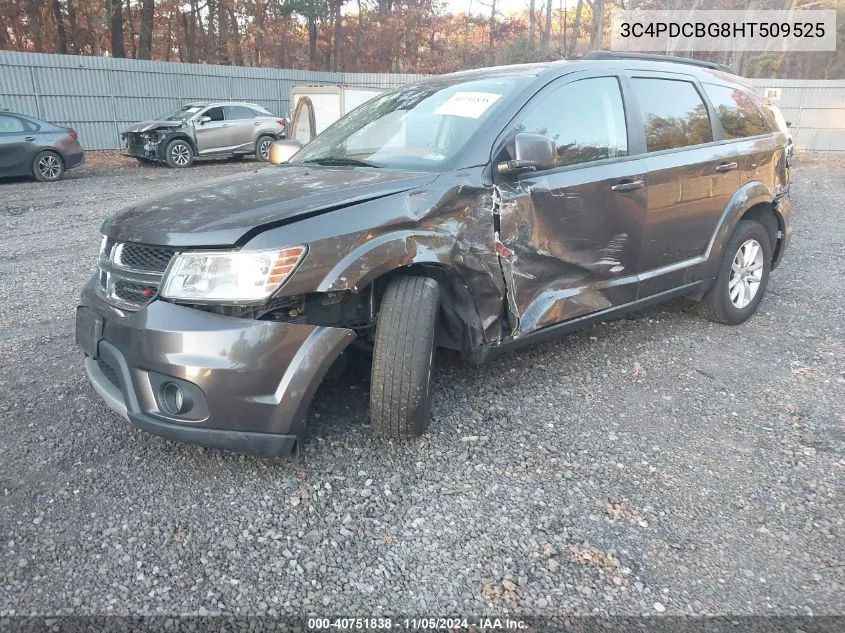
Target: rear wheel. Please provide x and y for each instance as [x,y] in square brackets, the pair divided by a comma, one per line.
[743,276]
[179,153]
[262,148]
[403,355]
[48,166]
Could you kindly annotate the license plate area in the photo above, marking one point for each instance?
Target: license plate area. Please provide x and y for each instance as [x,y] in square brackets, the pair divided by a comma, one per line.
[89,330]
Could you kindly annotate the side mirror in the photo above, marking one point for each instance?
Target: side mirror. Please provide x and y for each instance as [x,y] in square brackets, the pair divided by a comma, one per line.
[283,151]
[533,152]
[204,120]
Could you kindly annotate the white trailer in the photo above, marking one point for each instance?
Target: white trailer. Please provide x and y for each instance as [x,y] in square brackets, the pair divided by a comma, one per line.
[316,107]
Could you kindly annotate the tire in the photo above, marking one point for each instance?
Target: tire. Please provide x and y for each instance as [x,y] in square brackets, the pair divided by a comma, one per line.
[400,382]
[262,148]
[47,166]
[727,301]
[179,153]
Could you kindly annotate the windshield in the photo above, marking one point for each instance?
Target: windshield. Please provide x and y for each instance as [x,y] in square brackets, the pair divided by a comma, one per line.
[185,113]
[418,127]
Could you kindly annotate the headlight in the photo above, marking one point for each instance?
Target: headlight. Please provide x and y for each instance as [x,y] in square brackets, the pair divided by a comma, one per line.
[229,276]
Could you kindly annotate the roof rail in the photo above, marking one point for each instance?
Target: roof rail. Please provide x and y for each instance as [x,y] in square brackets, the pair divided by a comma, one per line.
[652,57]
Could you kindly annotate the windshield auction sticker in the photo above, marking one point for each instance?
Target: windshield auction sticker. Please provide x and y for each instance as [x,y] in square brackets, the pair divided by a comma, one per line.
[470,105]
[673,32]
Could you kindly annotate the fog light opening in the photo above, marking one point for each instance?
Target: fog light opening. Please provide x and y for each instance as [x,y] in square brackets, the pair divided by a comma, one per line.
[174,399]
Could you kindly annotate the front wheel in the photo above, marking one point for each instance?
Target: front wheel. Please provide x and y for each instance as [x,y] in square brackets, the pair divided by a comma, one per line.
[403,355]
[743,276]
[179,153]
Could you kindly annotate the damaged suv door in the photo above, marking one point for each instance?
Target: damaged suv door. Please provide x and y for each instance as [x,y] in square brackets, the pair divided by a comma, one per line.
[572,231]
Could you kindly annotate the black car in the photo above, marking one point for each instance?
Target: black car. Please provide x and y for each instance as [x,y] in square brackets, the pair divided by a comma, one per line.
[478,211]
[36,148]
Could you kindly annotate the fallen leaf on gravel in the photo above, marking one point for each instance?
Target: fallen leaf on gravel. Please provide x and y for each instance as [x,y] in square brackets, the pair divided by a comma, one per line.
[592,556]
[624,510]
[639,372]
[389,538]
[799,369]
[491,591]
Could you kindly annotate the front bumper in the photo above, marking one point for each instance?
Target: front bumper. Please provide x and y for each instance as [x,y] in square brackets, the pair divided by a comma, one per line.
[249,382]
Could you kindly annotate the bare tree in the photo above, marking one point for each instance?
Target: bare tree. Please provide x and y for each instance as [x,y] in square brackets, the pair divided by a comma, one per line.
[532,27]
[576,28]
[116,19]
[145,47]
[547,31]
[61,34]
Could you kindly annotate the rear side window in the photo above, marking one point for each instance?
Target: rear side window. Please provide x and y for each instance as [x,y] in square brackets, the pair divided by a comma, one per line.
[238,112]
[585,118]
[674,114]
[738,114]
[10,124]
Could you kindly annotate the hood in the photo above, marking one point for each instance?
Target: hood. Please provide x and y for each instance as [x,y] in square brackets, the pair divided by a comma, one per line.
[146,126]
[221,212]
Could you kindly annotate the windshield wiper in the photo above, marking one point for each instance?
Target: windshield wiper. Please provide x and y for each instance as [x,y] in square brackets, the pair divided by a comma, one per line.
[341,160]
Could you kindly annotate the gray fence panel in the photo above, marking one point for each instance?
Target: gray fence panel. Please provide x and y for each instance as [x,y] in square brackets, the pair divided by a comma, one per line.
[100,96]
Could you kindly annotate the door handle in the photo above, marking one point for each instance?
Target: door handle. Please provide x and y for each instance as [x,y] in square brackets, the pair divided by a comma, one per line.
[29,138]
[629,185]
[257,123]
[225,125]
[726,167]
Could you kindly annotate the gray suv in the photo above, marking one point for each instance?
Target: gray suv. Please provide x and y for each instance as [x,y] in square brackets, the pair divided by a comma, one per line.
[230,129]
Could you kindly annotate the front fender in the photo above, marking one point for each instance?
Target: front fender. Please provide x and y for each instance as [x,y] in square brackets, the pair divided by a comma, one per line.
[379,255]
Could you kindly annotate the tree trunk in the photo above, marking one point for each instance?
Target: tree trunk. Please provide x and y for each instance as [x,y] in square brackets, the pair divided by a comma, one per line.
[116,13]
[235,38]
[210,37]
[358,34]
[34,15]
[223,56]
[61,34]
[338,25]
[260,21]
[74,29]
[168,45]
[597,34]
[532,28]
[547,31]
[145,50]
[132,45]
[491,51]
[576,29]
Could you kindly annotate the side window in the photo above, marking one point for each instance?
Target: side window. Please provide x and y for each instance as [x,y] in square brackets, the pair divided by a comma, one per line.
[585,119]
[738,114]
[10,125]
[674,115]
[215,114]
[238,112]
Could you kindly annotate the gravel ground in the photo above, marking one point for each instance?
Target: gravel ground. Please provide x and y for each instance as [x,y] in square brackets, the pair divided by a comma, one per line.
[659,464]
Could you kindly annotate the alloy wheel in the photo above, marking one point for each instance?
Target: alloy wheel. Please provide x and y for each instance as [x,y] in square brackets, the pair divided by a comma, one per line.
[746,274]
[180,153]
[264,150]
[49,167]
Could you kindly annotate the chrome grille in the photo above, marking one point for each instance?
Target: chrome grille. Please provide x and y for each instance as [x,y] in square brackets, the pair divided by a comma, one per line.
[130,273]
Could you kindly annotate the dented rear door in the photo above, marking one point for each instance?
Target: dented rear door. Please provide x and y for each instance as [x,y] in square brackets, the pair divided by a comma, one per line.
[570,236]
